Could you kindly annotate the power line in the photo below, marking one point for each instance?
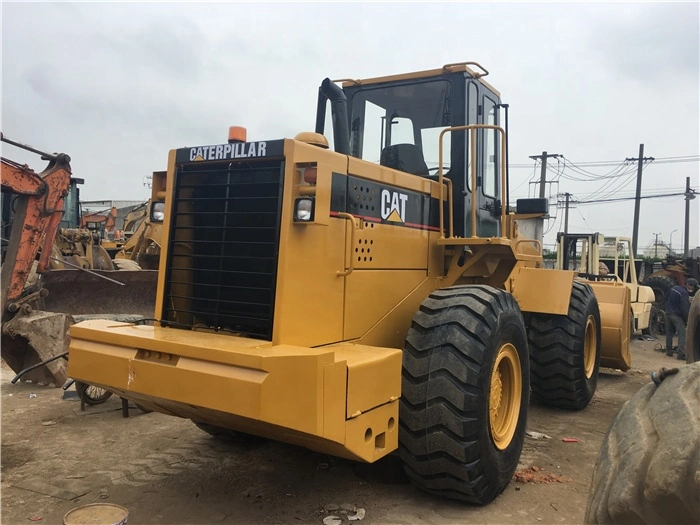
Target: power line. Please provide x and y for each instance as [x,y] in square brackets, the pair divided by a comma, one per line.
[584,219]
[659,196]
[609,163]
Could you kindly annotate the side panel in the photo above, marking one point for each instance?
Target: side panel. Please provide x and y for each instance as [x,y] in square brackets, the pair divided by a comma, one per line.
[310,292]
[162,268]
[390,330]
[390,251]
[544,291]
[371,294]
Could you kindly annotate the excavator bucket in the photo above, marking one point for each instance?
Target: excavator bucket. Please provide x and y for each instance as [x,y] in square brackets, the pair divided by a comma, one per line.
[32,337]
[77,292]
[615,319]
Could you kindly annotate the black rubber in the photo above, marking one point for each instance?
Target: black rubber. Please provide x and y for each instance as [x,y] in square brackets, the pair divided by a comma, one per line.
[661,284]
[648,462]
[444,433]
[227,435]
[557,368]
[657,322]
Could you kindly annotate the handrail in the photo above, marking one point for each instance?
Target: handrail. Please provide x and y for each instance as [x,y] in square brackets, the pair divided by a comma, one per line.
[537,242]
[504,190]
[448,67]
[351,218]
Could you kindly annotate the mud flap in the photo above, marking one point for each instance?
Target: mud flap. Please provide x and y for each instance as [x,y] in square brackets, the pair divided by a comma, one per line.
[614,304]
[76,292]
[31,337]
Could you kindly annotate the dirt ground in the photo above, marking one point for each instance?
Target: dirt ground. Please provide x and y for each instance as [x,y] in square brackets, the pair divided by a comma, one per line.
[164,470]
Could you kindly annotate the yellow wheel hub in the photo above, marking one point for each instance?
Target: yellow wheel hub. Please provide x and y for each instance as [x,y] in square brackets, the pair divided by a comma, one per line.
[589,347]
[505,396]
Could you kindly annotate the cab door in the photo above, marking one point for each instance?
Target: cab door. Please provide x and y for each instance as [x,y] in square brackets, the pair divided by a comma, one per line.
[487,195]
[482,108]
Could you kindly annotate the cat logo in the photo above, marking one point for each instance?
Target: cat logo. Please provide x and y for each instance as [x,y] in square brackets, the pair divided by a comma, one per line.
[393,206]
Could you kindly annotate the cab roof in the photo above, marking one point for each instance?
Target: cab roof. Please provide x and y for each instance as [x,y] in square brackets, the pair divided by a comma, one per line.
[447,68]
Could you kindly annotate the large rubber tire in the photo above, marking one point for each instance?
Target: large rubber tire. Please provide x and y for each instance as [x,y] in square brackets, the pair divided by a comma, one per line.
[565,352]
[229,436]
[692,332]
[661,284]
[656,318]
[647,467]
[465,393]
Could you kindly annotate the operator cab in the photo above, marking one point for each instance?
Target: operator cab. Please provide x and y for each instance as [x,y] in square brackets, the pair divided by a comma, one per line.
[396,122]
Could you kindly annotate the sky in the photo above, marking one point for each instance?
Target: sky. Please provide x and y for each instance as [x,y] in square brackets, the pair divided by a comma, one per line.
[117,85]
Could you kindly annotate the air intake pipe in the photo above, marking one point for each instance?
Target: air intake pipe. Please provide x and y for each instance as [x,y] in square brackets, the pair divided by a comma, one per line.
[339,112]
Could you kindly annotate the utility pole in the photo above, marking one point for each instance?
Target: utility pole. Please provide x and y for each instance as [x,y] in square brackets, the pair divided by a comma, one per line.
[569,199]
[670,243]
[656,246]
[635,230]
[543,172]
[689,195]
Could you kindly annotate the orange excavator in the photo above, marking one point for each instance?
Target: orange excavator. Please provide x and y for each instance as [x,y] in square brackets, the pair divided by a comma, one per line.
[36,201]
[102,221]
[54,276]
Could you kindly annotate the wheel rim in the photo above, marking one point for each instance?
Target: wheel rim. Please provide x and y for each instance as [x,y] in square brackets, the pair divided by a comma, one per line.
[589,347]
[505,396]
[660,320]
[95,392]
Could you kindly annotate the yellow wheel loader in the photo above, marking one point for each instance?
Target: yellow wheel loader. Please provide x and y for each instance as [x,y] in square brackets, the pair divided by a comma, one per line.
[363,297]
[143,244]
[605,262]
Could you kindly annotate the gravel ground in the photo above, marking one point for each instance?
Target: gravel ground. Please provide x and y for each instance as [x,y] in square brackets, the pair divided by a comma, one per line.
[166,471]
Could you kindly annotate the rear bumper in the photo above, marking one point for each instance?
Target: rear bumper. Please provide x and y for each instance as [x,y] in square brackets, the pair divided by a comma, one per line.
[340,399]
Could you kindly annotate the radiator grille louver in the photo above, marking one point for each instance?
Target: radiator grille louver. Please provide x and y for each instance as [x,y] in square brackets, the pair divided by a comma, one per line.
[224,241]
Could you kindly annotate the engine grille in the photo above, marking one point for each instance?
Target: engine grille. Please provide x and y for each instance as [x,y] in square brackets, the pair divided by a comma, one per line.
[224,241]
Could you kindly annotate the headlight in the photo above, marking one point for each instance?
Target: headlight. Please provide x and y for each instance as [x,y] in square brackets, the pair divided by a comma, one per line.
[158,211]
[304,209]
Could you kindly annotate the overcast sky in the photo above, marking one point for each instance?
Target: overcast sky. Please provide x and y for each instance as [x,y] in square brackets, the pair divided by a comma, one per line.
[116,86]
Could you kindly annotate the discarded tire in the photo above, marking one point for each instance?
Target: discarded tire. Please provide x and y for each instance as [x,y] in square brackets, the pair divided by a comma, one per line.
[648,463]
[465,390]
[565,352]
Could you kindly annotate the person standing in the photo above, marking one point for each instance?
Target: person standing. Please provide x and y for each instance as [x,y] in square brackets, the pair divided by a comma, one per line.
[677,307]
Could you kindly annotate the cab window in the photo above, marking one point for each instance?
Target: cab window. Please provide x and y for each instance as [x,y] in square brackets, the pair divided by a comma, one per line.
[399,125]
[490,150]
